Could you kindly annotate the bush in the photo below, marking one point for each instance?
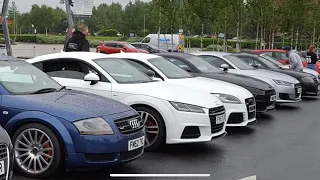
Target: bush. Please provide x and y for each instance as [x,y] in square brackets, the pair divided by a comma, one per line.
[108,32]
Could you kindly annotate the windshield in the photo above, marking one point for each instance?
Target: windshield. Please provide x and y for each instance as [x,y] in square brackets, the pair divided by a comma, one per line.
[169,69]
[121,71]
[271,60]
[238,62]
[19,77]
[130,46]
[202,65]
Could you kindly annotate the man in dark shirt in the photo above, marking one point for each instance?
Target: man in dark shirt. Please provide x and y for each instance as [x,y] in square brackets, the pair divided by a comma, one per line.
[78,41]
[312,57]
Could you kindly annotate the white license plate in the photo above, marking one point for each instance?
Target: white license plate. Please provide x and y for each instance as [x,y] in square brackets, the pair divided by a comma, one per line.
[136,143]
[2,168]
[252,108]
[273,98]
[220,119]
[318,87]
[299,90]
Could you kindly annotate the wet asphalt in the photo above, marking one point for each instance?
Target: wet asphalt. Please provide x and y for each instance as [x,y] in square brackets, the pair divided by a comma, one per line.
[282,145]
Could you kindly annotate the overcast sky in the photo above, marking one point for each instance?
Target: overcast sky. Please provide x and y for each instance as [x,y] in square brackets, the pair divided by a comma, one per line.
[25,5]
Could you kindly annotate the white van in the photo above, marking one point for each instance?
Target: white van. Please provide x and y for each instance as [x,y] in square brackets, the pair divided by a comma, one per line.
[165,41]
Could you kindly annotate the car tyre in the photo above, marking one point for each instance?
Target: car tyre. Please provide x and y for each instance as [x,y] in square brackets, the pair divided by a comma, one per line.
[153,123]
[45,144]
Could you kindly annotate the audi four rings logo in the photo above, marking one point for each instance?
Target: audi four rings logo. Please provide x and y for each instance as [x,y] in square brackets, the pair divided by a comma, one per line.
[134,123]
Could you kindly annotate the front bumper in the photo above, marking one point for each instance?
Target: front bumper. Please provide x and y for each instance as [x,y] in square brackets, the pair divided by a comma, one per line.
[186,127]
[238,115]
[289,94]
[266,102]
[310,89]
[104,151]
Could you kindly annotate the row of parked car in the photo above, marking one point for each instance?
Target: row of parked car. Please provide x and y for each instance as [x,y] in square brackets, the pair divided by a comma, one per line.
[83,109]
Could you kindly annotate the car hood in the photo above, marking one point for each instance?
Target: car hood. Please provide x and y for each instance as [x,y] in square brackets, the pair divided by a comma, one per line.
[306,70]
[70,104]
[213,86]
[240,80]
[295,74]
[266,74]
[170,92]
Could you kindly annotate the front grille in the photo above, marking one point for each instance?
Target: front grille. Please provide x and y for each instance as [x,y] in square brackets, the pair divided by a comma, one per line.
[213,113]
[127,156]
[235,118]
[126,127]
[251,102]
[296,87]
[4,156]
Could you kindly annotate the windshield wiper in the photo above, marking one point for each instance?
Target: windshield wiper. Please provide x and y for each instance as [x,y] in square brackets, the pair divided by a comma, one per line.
[63,88]
[45,90]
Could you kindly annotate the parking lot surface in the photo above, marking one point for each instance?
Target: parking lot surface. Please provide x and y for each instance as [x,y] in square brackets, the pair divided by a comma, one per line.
[282,145]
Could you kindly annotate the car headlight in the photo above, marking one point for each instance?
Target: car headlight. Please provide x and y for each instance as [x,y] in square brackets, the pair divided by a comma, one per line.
[93,126]
[307,79]
[187,107]
[226,98]
[282,83]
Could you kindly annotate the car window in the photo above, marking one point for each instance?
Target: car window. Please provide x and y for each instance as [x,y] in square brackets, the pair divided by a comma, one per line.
[169,69]
[144,46]
[129,46]
[68,68]
[216,61]
[146,40]
[142,67]
[177,62]
[136,45]
[238,62]
[279,55]
[122,71]
[271,59]
[201,64]
[120,46]
[111,45]
[252,61]
[19,77]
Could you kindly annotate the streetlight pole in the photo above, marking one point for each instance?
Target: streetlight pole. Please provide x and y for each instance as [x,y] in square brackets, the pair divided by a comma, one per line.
[14,16]
[5,28]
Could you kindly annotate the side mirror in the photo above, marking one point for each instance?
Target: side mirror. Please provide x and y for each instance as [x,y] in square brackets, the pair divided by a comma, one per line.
[224,67]
[186,68]
[150,73]
[93,78]
[255,65]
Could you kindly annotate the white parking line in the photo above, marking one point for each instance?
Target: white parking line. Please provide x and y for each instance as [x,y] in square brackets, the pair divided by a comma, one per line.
[249,178]
[159,175]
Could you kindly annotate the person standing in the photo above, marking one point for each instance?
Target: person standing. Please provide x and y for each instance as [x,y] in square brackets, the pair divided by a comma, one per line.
[295,60]
[78,41]
[312,57]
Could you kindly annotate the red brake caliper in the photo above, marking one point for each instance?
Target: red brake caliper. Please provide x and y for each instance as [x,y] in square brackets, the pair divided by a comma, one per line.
[151,124]
[48,152]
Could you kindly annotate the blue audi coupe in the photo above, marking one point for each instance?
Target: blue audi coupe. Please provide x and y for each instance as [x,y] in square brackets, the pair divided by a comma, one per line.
[53,128]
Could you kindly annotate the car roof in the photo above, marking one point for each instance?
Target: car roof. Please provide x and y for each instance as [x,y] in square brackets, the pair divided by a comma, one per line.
[87,56]
[139,56]
[7,58]
[269,50]
[211,53]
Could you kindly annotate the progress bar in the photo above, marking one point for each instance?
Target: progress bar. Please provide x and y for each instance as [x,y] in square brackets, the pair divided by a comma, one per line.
[159,175]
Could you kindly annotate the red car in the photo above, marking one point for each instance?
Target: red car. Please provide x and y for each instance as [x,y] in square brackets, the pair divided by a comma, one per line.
[117,47]
[281,56]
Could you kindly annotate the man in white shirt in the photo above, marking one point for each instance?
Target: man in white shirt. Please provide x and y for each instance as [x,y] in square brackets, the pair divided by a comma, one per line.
[295,60]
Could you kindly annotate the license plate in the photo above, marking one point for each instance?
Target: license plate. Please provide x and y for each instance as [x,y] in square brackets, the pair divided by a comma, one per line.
[220,119]
[252,108]
[318,87]
[136,143]
[299,90]
[2,168]
[273,98]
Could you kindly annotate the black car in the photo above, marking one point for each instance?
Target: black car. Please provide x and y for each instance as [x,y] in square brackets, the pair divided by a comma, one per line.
[6,156]
[148,47]
[264,94]
[309,82]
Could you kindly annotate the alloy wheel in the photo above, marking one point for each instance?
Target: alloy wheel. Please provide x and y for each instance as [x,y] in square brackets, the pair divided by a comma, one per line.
[34,151]
[151,128]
